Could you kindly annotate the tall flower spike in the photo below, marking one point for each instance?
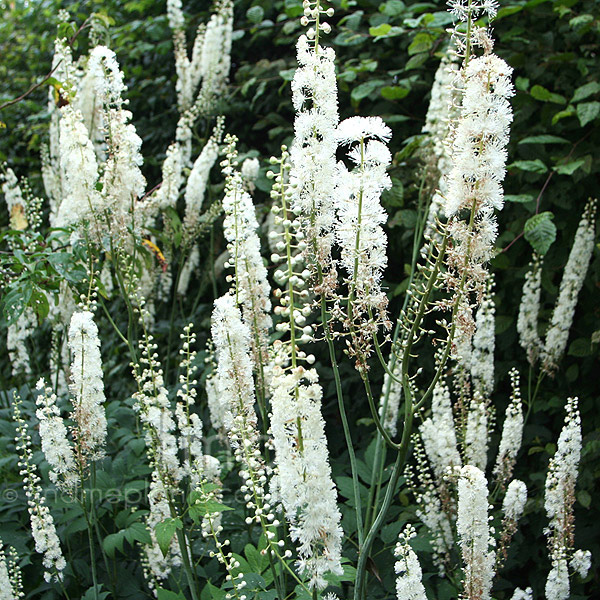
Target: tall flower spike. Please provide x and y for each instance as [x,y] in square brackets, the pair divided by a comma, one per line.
[527,321]
[42,524]
[559,500]
[358,227]
[87,385]
[55,444]
[512,507]
[570,286]
[474,534]
[512,432]
[240,227]
[484,341]
[314,95]
[408,570]
[476,434]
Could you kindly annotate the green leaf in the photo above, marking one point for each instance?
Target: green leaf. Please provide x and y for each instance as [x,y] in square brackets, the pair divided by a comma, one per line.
[422,43]
[544,139]
[520,198]
[587,111]
[164,531]
[570,167]
[584,498]
[585,91]
[580,347]
[364,89]
[541,93]
[201,508]
[255,14]
[382,29]
[533,166]
[394,92]
[540,231]
[416,61]
[113,542]
[138,532]
[562,114]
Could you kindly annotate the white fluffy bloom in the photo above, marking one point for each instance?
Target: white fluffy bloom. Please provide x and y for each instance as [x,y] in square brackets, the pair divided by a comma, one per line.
[305,484]
[79,170]
[360,216]
[55,444]
[581,562]
[87,384]
[432,515]
[313,173]
[484,341]
[391,394]
[515,499]
[42,524]
[197,181]
[240,229]
[512,432]
[16,336]
[519,594]
[570,286]
[557,584]
[527,321]
[249,172]
[408,570]
[14,200]
[474,536]
[190,265]
[476,436]
[439,434]
[172,177]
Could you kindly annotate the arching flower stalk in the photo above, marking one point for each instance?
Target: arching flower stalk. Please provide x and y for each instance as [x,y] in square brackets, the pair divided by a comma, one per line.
[312,155]
[527,321]
[359,232]
[512,433]
[409,585]
[512,507]
[250,285]
[11,578]
[42,524]
[474,534]
[570,286]
[558,502]
[303,477]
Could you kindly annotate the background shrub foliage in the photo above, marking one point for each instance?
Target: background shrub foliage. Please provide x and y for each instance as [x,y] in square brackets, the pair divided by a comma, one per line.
[387,54]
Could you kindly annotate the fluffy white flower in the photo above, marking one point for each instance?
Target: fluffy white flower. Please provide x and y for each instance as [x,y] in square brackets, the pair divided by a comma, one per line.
[304,477]
[570,286]
[512,432]
[515,499]
[16,336]
[484,341]
[581,562]
[557,584]
[408,570]
[519,594]
[477,435]
[474,536]
[87,384]
[527,321]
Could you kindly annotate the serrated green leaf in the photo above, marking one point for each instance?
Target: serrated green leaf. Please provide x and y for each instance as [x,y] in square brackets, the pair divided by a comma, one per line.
[580,347]
[584,91]
[164,532]
[533,166]
[541,93]
[382,29]
[540,231]
[113,542]
[544,139]
[587,111]
[364,89]
[570,167]
[163,594]
[422,43]
[394,92]
[255,14]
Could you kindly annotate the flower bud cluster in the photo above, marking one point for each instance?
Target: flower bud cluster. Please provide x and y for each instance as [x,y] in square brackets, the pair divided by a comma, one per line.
[409,584]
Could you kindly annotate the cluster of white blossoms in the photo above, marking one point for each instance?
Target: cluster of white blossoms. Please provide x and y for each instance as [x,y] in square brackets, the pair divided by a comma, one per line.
[514,500]
[570,286]
[512,432]
[240,228]
[11,577]
[408,570]
[529,309]
[304,480]
[360,216]
[15,202]
[439,434]
[42,524]
[87,385]
[313,173]
[472,526]
[211,55]
[55,443]
[17,334]
[477,432]
[558,502]
[483,344]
